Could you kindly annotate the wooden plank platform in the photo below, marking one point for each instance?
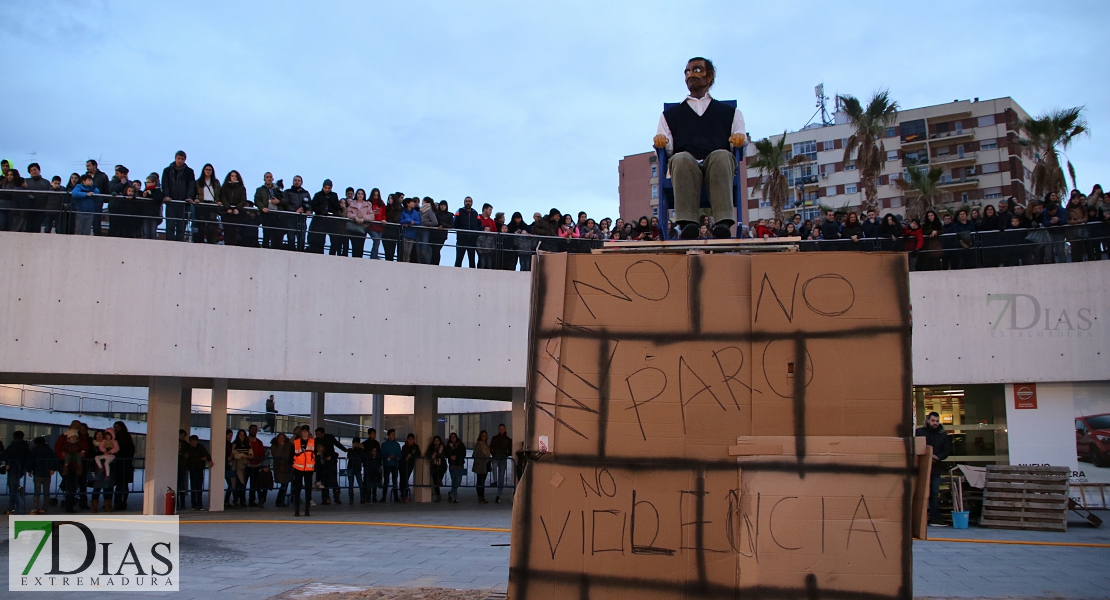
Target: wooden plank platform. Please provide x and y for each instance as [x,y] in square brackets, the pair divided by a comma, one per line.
[1024,497]
[787,244]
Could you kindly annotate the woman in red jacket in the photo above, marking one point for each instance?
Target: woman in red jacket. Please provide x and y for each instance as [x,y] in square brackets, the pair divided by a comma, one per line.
[914,240]
[375,227]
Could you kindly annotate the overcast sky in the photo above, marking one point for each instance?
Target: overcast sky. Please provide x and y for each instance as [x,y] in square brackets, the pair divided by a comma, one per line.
[524,105]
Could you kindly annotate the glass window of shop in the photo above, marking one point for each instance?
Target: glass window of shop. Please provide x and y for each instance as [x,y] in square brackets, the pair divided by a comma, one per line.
[975,417]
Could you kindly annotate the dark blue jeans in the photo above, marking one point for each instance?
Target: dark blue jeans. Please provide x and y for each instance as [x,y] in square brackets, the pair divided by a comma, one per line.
[934,493]
[175,222]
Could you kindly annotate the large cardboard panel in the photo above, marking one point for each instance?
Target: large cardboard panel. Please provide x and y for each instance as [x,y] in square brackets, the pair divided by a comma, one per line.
[545,350]
[846,292]
[679,426]
[675,534]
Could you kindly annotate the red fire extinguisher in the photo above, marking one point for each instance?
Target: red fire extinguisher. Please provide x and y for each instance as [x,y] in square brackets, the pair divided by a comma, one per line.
[171,501]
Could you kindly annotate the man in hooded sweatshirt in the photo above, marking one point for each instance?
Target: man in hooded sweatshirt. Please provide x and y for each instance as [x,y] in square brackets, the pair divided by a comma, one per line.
[179,185]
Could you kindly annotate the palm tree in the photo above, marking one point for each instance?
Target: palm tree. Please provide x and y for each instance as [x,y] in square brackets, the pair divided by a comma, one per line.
[922,187]
[771,161]
[1046,133]
[870,125]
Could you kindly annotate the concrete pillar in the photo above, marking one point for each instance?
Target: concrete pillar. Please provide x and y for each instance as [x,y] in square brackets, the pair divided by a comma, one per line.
[425,412]
[517,432]
[187,410]
[377,411]
[217,446]
[163,421]
[316,411]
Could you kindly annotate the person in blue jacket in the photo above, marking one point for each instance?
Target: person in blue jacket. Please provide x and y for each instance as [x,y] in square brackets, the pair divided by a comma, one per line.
[410,220]
[84,206]
[391,461]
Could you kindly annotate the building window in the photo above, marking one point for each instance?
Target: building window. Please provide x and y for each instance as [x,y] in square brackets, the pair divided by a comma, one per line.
[655,211]
[655,170]
[891,155]
[807,149]
[828,145]
[990,168]
[945,151]
[988,145]
[895,177]
[890,132]
[830,191]
[960,151]
[850,188]
[912,131]
[654,191]
[970,171]
[850,165]
[959,127]
[963,197]
[986,121]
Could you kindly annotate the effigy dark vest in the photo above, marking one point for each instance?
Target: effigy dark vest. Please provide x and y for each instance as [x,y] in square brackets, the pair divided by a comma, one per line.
[700,135]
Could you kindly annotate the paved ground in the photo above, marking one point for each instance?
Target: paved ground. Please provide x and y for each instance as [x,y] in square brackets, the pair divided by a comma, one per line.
[358,552]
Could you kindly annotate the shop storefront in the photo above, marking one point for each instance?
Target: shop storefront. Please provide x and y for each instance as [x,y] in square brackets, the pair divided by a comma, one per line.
[1017,363]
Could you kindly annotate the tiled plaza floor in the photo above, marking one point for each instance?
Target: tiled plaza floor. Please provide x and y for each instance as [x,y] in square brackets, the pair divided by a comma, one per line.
[354,547]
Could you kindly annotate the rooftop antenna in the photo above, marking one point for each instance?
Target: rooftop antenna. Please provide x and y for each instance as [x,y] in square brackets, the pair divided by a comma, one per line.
[826,120]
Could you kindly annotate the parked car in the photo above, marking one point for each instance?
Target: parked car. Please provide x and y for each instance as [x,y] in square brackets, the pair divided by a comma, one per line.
[1092,439]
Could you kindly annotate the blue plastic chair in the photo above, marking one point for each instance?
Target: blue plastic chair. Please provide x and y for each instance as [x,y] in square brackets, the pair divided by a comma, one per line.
[666,189]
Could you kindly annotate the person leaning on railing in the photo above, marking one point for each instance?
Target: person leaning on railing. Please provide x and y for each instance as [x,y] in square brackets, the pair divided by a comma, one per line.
[445,220]
[233,206]
[179,186]
[83,205]
[152,207]
[359,214]
[375,225]
[296,200]
[429,222]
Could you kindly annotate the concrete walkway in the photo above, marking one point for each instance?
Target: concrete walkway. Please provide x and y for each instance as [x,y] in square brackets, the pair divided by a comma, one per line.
[266,553]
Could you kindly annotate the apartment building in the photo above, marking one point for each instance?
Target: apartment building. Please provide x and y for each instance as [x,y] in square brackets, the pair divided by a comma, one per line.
[638,186]
[974,141]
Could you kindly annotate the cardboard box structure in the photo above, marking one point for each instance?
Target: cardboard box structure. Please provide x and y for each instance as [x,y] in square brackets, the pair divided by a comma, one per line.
[717,426]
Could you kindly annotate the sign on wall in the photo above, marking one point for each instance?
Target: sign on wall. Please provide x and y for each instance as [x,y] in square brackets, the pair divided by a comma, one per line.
[1041,323]
[1025,396]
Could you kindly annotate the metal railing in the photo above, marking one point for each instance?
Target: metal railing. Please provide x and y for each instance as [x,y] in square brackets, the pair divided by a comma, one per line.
[136,217]
[972,250]
[134,409]
[336,235]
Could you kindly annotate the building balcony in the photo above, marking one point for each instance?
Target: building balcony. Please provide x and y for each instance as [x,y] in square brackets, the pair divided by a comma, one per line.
[950,183]
[952,135]
[955,159]
[806,180]
[914,162]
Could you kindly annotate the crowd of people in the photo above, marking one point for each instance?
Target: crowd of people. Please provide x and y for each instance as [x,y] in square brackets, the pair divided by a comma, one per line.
[206,209]
[101,461]
[96,468]
[1034,234]
[379,471]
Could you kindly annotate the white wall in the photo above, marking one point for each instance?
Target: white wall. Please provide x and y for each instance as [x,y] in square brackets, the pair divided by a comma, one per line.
[979,325]
[1044,435]
[82,305]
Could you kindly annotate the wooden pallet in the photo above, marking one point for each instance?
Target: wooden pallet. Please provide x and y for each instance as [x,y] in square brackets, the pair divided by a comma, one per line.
[1026,497]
